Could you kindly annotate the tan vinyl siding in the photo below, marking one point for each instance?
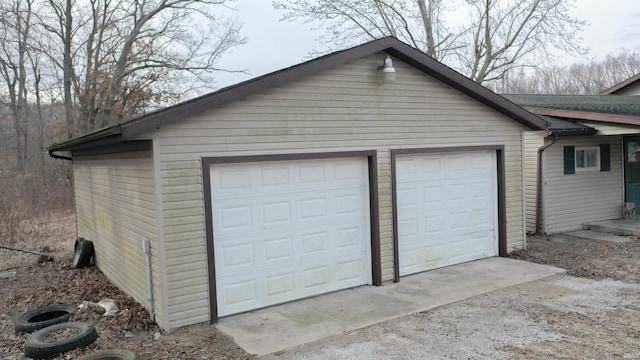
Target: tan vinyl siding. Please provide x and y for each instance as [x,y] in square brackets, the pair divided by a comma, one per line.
[344,109]
[532,141]
[185,247]
[572,200]
[115,205]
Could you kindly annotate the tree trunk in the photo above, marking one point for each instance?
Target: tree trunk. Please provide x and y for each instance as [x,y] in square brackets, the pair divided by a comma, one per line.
[68,68]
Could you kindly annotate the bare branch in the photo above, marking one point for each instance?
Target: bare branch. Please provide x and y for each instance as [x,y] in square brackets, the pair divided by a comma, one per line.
[501,34]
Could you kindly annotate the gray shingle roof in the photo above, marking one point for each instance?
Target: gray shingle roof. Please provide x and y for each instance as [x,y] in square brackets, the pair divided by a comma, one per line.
[612,104]
[562,126]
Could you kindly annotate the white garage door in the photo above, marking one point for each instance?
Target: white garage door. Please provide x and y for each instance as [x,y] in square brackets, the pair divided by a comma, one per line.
[289,229]
[447,209]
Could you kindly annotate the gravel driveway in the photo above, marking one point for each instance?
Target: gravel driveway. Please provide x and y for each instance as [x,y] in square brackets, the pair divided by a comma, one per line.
[560,317]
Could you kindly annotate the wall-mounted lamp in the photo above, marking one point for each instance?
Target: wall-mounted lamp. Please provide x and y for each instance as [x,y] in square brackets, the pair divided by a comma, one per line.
[387,71]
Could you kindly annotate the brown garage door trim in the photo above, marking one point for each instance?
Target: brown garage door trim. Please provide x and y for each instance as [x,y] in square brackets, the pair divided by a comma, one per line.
[501,192]
[374,219]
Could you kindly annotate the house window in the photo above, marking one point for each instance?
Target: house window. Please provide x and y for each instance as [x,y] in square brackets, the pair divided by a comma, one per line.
[587,158]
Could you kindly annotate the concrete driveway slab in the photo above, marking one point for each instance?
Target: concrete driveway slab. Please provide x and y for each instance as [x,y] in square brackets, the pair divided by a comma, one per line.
[280,327]
[599,235]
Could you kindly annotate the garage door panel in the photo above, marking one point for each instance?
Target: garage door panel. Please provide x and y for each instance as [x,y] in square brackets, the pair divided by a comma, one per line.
[316,278]
[301,232]
[271,213]
[235,217]
[275,286]
[432,194]
[350,271]
[278,250]
[408,228]
[240,293]
[237,256]
[280,285]
[313,208]
[419,259]
[457,191]
[446,207]
[275,213]
[313,244]
[265,178]
[233,179]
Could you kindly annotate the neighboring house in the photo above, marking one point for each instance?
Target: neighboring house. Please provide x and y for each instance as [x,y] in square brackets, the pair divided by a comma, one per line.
[308,180]
[588,156]
[631,86]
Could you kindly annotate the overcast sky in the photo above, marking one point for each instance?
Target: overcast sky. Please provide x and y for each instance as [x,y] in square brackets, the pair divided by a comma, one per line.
[273,44]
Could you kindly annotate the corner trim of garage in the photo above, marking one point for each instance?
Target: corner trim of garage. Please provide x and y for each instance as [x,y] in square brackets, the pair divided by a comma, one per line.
[501,194]
[371,155]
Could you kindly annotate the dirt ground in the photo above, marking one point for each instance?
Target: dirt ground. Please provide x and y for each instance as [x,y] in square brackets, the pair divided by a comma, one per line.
[576,334]
[35,285]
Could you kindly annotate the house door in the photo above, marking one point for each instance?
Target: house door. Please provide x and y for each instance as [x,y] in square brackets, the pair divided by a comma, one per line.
[632,170]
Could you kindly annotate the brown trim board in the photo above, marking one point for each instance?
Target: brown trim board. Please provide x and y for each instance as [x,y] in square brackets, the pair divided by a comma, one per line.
[501,194]
[374,217]
[129,146]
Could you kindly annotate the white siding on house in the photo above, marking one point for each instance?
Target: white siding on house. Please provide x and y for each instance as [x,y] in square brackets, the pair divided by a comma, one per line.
[574,199]
[116,210]
[631,89]
[343,109]
[532,141]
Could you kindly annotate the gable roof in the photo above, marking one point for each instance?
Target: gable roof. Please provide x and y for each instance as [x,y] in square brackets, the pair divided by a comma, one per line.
[127,130]
[621,85]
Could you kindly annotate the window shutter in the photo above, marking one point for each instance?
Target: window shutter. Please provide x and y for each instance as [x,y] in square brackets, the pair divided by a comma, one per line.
[605,158]
[569,159]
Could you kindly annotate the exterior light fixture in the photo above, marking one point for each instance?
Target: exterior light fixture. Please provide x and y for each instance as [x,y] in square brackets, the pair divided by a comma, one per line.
[387,71]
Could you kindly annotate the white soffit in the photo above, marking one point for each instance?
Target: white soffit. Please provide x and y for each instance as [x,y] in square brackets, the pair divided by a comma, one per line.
[612,129]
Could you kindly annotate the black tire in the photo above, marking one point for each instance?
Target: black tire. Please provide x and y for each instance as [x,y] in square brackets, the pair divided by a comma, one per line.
[39,318]
[114,354]
[82,253]
[36,348]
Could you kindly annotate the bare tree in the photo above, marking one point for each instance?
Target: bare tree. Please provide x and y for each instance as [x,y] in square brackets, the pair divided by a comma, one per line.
[510,34]
[419,23]
[589,78]
[122,57]
[15,27]
[498,36]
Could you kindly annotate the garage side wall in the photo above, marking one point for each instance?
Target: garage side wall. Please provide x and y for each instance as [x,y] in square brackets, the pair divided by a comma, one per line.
[532,141]
[570,200]
[347,108]
[116,210]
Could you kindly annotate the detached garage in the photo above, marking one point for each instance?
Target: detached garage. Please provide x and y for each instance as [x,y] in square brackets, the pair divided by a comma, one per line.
[309,180]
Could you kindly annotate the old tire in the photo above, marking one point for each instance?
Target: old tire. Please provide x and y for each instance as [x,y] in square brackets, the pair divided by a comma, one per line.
[39,318]
[82,253]
[36,348]
[114,354]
